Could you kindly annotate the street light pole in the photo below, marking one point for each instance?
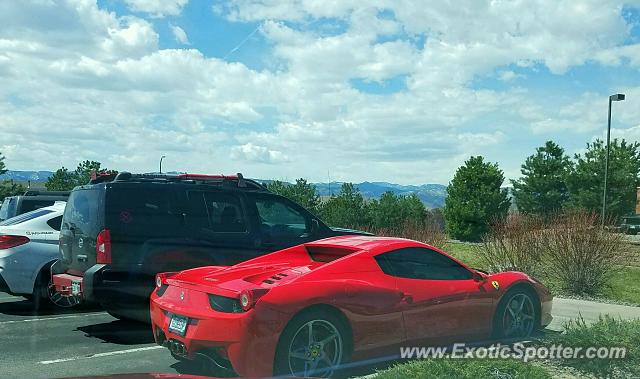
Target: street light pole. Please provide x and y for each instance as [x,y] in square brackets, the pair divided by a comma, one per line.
[161,158]
[612,98]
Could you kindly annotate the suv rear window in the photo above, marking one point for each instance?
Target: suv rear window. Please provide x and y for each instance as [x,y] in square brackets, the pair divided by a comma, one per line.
[84,211]
[142,213]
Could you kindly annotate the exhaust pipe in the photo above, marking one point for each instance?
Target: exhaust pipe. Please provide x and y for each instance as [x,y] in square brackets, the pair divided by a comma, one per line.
[177,348]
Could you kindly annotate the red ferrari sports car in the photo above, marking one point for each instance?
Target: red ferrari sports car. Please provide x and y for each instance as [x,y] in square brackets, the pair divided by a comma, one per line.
[306,310]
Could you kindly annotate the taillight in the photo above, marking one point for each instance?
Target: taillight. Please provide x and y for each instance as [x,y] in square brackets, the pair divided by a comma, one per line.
[103,247]
[248,298]
[161,278]
[8,241]
[161,282]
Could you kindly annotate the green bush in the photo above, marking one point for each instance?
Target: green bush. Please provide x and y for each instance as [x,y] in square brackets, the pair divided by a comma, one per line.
[607,332]
[465,369]
[475,199]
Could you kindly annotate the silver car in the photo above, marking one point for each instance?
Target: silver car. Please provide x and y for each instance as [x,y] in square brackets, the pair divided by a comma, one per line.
[28,248]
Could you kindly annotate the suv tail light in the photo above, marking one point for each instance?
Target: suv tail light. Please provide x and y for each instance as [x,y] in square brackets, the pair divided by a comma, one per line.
[8,241]
[103,247]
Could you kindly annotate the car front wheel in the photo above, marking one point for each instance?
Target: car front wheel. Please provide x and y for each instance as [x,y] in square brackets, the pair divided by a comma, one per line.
[516,315]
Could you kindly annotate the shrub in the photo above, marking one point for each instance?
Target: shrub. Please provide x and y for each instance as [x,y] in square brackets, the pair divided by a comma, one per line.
[579,254]
[465,369]
[607,332]
[514,244]
[429,233]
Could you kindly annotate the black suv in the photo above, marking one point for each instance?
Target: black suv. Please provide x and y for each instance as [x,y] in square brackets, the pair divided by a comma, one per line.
[13,206]
[118,232]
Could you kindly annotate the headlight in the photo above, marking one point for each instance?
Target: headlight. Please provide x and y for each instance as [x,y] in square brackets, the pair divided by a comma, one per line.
[225,304]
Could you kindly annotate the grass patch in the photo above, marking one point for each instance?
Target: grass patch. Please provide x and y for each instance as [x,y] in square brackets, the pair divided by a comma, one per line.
[466,252]
[624,284]
[465,369]
[607,332]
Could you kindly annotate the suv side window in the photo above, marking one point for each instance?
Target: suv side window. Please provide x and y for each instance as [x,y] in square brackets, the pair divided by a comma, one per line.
[142,213]
[421,263]
[279,221]
[213,212]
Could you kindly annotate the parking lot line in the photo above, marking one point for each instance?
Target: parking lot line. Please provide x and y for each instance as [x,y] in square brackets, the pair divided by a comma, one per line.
[52,318]
[98,355]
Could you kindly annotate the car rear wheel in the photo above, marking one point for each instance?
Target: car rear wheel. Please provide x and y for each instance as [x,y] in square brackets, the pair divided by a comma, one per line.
[44,294]
[313,344]
[516,315]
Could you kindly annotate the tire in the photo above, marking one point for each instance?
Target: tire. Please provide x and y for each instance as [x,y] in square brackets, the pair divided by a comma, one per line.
[330,346]
[44,297]
[517,315]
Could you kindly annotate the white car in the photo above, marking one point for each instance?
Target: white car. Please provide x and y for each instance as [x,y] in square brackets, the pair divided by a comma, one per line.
[28,248]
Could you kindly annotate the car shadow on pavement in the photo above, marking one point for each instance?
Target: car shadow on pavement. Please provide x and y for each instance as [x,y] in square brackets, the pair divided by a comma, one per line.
[121,332]
[24,307]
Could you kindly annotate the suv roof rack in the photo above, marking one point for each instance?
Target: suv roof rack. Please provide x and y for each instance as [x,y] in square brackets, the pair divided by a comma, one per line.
[222,180]
[45,193]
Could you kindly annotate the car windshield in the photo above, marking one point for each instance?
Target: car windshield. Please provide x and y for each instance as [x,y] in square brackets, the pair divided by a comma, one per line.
[320,188]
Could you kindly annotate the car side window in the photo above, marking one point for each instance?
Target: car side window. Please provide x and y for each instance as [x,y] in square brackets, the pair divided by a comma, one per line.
[216,212]
[279,220]
[55,223]
[421,263]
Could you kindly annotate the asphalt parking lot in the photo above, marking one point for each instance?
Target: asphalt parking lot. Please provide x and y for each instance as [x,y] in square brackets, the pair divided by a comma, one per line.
[89,341]
[76,343]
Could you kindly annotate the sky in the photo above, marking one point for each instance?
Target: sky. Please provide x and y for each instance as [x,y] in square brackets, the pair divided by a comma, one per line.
[341,90]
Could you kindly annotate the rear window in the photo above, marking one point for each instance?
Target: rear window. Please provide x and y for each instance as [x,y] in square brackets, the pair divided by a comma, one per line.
[28,205]
[84,211]
[142,213]
[25,217]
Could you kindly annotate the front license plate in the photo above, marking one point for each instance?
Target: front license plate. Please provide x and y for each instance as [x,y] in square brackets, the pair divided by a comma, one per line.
[178,324]
[75,288]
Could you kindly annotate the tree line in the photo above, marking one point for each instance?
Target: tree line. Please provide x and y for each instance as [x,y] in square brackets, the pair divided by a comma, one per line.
[551,183]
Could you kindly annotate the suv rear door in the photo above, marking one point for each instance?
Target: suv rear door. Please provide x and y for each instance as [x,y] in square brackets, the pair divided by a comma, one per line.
[83,219]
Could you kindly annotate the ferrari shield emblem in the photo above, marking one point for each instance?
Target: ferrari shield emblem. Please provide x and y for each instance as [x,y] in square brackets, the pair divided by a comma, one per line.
[495,284]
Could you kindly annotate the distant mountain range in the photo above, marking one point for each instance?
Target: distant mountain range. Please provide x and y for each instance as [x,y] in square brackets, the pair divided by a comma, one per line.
[23,176]
[432,195]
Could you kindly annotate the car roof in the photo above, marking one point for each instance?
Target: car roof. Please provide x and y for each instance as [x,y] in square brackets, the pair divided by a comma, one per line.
[373,244]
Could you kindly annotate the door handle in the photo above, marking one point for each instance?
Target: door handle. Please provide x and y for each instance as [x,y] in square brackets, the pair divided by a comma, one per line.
[406,298]
[82,258]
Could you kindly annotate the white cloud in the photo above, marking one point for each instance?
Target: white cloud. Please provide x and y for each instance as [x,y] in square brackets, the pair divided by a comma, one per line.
[180,35]
[101,87]
[255,153]
[157,8]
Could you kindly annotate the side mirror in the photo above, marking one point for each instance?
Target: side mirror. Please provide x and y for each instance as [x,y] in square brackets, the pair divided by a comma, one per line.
[479,277]
[315,227]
